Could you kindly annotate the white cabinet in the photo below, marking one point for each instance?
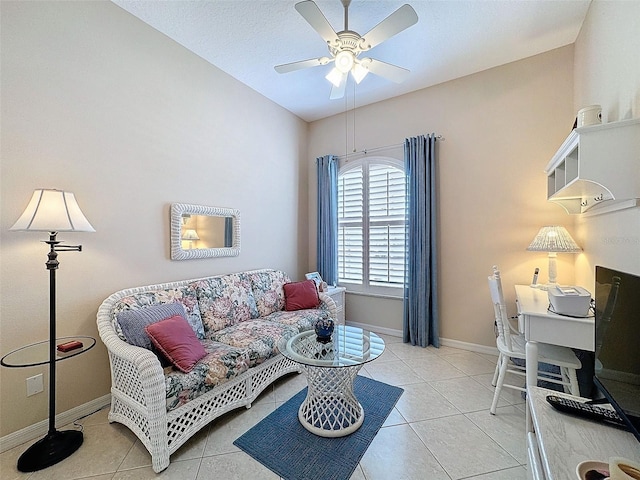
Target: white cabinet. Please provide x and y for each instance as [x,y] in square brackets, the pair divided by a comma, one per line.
[337,294]
[597,166]
[557,442]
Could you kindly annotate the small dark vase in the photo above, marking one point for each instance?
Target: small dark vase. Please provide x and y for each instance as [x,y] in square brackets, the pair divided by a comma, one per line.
[324,330]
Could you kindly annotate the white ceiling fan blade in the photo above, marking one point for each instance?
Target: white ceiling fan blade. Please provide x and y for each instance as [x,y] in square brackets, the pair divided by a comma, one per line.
[292,67]
[386,70]
[312,14]
[338,92]
[398,21]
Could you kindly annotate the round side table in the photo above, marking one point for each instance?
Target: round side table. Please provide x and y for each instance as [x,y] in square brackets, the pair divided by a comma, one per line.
[57,444]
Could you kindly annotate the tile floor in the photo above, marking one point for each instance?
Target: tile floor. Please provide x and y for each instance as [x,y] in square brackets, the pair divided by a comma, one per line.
[441,429]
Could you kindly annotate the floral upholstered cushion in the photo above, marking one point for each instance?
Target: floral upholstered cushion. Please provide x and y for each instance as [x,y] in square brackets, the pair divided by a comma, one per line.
[267,290]
[301,319]
[186,295]
[221,364]
[225,301]
[259,337]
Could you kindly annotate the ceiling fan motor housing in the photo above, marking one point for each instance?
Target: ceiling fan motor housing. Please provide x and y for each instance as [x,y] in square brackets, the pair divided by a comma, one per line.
[346,49]
[347,40]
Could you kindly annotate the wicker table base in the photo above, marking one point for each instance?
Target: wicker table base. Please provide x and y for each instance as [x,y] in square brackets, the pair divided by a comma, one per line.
[331,409]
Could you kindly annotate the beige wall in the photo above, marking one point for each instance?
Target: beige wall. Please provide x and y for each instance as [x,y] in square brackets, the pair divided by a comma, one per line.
[500,128]
[607,72]
[98,103]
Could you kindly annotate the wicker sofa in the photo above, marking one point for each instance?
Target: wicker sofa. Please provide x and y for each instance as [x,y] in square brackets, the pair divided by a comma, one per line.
[238,319]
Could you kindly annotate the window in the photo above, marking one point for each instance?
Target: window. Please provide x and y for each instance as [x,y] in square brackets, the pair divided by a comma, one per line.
[371,226]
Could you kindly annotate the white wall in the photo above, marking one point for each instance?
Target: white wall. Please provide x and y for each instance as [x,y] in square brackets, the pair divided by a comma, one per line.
[500,128]
[607,72]
[98,103]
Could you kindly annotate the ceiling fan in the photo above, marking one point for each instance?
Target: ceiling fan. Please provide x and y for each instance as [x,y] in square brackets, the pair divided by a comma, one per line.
[345,46]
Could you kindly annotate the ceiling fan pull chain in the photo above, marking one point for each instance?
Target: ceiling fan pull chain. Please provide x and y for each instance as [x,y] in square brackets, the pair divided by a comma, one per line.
[346,128]
[354,117]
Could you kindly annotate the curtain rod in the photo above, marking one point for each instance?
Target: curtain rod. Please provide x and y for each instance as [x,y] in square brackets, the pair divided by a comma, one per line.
[365,151]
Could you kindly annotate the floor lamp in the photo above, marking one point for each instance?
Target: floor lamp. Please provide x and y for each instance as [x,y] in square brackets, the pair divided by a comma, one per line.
[52,211]
[553,240]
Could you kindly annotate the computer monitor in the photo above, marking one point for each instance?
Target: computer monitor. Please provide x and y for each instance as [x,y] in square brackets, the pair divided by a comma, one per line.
[617,356]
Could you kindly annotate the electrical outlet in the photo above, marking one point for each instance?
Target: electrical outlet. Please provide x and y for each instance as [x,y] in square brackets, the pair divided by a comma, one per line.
[34,385]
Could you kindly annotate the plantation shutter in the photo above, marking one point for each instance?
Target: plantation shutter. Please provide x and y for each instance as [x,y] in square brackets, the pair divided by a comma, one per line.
[350,226]
[371,226]
[386,225]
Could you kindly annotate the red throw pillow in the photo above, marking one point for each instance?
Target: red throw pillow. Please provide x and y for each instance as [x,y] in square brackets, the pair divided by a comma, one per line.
[300,295]
[176,340]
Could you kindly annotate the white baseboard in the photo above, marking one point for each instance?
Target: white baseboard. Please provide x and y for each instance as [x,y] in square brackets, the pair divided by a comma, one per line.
[377,329]
[38,430]
[472,347]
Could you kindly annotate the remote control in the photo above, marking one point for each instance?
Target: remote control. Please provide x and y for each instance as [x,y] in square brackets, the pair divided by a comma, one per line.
[585,410]
[68,346]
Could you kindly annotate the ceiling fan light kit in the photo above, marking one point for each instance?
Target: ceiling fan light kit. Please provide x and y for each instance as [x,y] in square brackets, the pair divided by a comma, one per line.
[358,72]
[335,76]
[344,61]
[346,45]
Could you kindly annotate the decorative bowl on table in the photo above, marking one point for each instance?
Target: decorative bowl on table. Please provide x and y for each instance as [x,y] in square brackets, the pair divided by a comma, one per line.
[591,470]
[324,330]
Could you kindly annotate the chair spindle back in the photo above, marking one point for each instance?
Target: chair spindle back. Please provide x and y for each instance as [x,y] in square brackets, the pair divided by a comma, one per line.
[499,307]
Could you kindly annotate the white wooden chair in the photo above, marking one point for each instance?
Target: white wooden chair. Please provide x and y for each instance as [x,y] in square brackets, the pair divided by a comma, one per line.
[511,344]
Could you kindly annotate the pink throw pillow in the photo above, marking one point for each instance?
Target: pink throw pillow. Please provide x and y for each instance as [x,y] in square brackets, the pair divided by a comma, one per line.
[175,339]
[300,295]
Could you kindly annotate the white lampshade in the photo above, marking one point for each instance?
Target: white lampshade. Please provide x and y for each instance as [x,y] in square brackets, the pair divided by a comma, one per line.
[554,239]
[190,234]
[53,211]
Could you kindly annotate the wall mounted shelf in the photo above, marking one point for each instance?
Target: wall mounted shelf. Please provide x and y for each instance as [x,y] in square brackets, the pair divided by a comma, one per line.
[597,169]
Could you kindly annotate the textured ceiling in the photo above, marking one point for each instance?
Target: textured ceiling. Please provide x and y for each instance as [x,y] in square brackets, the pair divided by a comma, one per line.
[453,38]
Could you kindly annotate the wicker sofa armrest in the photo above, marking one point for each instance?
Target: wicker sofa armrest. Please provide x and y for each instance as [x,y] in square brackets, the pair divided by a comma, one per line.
[135,371]
[327,303]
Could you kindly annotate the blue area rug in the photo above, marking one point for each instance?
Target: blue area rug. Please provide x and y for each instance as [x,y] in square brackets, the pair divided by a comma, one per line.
[284,446]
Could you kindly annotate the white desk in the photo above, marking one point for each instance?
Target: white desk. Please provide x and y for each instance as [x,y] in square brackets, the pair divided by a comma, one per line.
[539,325]
[557,442]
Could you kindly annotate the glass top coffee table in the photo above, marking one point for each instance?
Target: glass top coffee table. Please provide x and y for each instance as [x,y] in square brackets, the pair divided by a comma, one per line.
[331,408]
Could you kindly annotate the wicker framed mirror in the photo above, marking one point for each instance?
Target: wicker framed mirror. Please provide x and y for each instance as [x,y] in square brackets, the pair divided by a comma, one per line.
[198,231]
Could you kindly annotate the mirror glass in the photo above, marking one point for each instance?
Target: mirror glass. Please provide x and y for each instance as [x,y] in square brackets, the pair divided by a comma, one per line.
[198,231]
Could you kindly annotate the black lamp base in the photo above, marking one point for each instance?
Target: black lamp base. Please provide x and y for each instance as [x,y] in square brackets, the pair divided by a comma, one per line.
[47,451]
